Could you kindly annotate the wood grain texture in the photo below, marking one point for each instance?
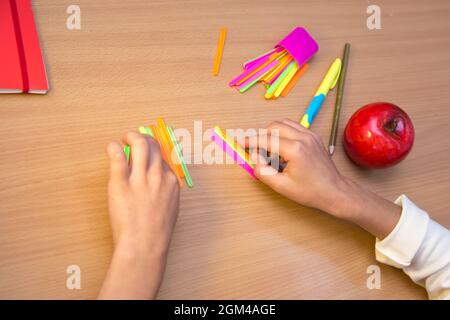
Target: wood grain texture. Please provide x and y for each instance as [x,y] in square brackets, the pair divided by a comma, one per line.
[135,60]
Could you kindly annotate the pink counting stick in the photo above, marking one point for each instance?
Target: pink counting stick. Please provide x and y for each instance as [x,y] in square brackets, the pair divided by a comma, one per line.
[277,75]
[243,75]
[264,57]
[253,79]
[233,154]
[257,62]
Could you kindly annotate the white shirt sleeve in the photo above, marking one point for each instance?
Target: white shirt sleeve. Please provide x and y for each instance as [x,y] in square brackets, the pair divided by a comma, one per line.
[421,247]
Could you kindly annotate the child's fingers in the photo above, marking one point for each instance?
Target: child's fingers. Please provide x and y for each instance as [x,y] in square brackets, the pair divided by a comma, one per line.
[270,176]
[258,158]
[284,130]
[295,125]
[286,148]
[156,159]
[301,129]
[119,169]
[139,152]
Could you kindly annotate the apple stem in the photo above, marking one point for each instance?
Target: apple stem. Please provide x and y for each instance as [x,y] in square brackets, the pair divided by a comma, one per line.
[391,125]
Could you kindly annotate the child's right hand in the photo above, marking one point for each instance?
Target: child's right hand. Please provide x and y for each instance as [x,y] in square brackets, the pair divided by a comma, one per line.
[310,178]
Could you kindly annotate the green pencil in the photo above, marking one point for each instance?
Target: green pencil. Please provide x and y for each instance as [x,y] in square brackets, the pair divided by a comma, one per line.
[338,102]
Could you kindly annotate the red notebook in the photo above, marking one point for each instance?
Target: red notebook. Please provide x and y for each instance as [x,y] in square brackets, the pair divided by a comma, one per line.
[21,65]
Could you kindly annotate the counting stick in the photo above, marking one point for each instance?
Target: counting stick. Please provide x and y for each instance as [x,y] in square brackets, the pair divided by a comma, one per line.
[165,152]
[170,147]
[271,90]
[273,57]
[232,153]
[220,46]
[250,82]
[283,63]
[285,82]
[248,72]
[294,80]
[187,176]
[234,146]
[257,60]
[126,149]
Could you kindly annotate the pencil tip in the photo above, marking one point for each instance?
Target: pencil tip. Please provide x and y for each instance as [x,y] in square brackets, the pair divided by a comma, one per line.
[331,150]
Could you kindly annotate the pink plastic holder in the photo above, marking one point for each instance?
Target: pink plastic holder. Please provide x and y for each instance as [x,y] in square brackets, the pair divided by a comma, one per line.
[300,45]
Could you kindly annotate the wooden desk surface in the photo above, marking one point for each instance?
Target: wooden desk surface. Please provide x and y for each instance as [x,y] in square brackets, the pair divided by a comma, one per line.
[133,61]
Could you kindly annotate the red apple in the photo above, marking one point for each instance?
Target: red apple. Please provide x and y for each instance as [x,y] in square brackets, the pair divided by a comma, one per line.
[378,135]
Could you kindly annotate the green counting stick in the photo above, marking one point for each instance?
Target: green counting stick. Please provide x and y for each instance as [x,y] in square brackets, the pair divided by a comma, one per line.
[146,130]
[142,130]
[257,76]
[277,82]
[126,150]
[187,176]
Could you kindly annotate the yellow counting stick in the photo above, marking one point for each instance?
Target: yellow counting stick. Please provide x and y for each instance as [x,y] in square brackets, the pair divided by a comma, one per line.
[234,145]
[274,56]
[285,81]
[175,146]
[146,130]
[283,62]
[274,86]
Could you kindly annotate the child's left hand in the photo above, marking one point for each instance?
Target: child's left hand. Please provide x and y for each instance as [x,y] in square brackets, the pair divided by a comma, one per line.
[143,208]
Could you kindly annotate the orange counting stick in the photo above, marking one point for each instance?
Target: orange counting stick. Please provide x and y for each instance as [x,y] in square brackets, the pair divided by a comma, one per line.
[174,165]
[283,63]
[294,80]
[166,153]
[272,57]
[169,145]
[158,139]
[219,53]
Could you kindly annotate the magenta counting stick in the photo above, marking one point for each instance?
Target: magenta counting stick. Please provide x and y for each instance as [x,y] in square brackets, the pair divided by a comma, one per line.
[277,75]
[253,79]
[257,62]
[233,154]
[248,62]
[263,57]
[244,74]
